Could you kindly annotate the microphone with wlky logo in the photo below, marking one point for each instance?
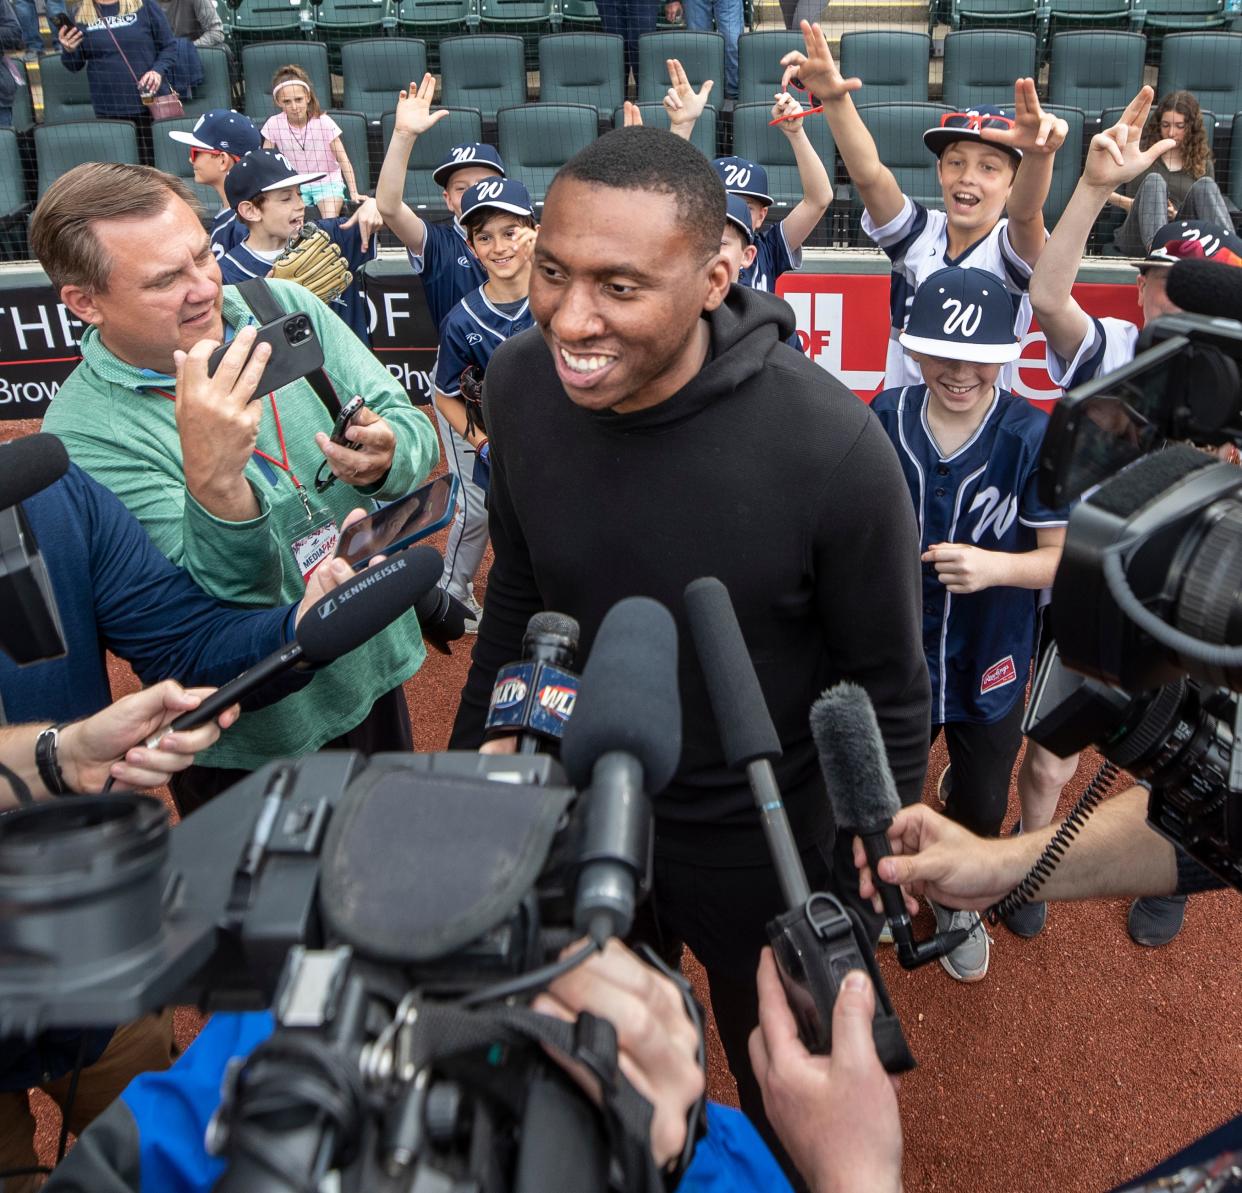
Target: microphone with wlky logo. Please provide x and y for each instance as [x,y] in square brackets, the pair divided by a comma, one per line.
[535,696]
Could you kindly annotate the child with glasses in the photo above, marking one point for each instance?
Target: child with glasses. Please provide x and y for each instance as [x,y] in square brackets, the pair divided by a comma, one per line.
[994,169]
[218,141]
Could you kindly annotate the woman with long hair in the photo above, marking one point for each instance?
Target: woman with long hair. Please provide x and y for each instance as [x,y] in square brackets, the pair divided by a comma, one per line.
[1180,184]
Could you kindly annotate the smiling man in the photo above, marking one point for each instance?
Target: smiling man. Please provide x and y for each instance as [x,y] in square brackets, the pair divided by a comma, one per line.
[221,475]
[654,428]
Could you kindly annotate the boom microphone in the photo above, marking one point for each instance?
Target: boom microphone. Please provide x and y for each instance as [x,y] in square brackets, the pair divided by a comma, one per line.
[1206,288]
[29,465]
[864,799]
[336,624]
[536,696]
[623,745]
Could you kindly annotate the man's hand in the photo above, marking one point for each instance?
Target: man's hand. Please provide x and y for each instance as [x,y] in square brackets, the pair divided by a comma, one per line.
[1034,130]
[500,745]
[219,424]
[683,104]
[368,220]
[1114,157]
[816,69]
[962,568]
[331,573]
[657,1045]
[369,464]
[70,38]
[836,1115]
[414,115]
[110,743]
[785,110]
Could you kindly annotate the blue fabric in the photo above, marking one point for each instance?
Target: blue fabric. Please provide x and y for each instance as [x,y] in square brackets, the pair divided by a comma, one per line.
[28,20]
[447,268]
[629,20]
[186,71]
[771,259]
[471,333]
[732,1156]
[146,41]
[12,37]
[727,16]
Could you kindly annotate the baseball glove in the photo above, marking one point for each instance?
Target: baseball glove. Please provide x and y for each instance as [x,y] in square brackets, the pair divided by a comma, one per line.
[472,395]
[312,260]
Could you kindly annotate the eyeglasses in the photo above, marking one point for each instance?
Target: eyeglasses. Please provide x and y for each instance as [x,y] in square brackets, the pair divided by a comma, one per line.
[809,108]
[975,121]
[197,152]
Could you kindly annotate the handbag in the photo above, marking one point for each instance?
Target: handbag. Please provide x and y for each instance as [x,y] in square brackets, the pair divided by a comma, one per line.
[160,107]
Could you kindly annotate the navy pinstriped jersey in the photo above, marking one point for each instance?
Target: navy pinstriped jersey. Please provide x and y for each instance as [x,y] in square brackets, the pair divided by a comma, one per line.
[227,232]
[978,645]
[772,258]
[447,268]
[1108,345]
[473,330]
[916,242]
[240,264]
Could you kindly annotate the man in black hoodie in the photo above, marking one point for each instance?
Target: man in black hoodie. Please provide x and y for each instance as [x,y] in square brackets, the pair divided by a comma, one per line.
[654,428]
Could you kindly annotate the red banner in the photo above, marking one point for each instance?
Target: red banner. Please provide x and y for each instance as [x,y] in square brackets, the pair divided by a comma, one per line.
[843,325]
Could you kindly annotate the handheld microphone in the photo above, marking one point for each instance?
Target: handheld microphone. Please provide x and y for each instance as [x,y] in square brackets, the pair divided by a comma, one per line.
[29,465]
[746,730]
[537,695]
[338,623]
[1206,288]
[622,746]
[442,618]
[864,799]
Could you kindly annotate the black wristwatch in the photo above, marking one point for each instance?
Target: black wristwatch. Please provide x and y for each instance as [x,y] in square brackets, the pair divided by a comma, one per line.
[47,761]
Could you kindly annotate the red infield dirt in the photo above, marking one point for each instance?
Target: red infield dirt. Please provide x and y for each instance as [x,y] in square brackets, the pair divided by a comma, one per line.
[1080,1061]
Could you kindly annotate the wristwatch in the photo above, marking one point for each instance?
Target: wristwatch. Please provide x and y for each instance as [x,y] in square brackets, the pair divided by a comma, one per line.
[47,761]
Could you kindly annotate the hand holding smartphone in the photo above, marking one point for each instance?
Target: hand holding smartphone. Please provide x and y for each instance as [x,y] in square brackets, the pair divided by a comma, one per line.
[296,352]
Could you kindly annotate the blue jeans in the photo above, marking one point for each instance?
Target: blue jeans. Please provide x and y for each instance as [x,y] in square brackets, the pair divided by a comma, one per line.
[728,23]
[629,19]
[28,18]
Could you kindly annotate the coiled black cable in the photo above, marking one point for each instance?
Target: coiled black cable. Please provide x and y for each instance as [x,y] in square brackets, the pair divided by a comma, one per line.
[1097,791]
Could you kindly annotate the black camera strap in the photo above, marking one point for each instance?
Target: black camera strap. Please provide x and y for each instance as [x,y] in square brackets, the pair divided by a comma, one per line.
[266,309]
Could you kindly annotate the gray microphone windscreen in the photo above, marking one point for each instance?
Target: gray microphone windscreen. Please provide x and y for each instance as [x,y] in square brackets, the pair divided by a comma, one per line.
[852,756]
[560,624]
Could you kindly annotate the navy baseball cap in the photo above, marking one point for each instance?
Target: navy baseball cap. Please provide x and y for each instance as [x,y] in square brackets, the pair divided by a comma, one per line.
[741,177]
[261,171]
[222,131]
[461,156]
[968,126]
[501,194]
[736,212]
[1190,239]
[962,314]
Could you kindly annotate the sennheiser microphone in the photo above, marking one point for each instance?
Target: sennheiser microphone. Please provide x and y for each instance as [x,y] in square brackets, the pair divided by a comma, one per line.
[336,624]
[746,731]
[442,618]
[30,465]
[864,800]
[536,696]
[621,747]
[1206,288]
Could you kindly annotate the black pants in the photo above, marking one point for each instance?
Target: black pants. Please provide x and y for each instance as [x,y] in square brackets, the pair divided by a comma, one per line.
[721,915]
[385,727]
[982,757]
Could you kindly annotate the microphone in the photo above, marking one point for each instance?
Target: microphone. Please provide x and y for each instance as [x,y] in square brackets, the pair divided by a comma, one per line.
[864,799]
[442,618]
[621,747]
[29,465]
[536,696]
[746,730]
[336,624]
[1206,287]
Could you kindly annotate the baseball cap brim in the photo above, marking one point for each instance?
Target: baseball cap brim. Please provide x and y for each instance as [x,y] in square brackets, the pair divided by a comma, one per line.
[190,139]
[939,139]
[767,200]
[500,205]
[747,233]
[984,354]
[440,175]
[292,180]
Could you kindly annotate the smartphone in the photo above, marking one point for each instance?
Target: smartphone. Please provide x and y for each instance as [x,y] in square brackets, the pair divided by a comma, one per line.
[63,21]
[344,418]
[405,521]
[296,352]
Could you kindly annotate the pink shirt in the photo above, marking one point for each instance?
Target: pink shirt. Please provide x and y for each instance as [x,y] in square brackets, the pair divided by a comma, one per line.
[308,149]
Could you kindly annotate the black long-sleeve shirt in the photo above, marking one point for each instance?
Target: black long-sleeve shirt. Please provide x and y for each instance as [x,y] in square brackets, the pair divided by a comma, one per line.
[763,471]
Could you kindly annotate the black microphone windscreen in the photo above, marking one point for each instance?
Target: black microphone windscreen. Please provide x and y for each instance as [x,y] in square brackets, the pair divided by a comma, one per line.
[1206,288]
[560,624]
[359,609]
[29,465]
[851,754]
[629,699]
[746,729]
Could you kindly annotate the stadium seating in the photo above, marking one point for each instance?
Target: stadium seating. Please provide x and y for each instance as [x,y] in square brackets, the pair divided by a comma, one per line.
[1064,16]
[461,125]
[891,64]
[249,20]
[759,63]
[1233,181]
[435,18]
[704,137]
[262,59]
[525,13]
[580,13]
[60,147]
[354,138]
[377,68]
[216,89]
[1067,165]
[1155,18]
[1093,71]
[536,140]
[174,158]
[582,68]
[66,94]
[1022,15]
[702,55]
[483,71]
[1209,64]
[898,131]
[13,200]
[980,66]
[755,140]
[335,21]
[23,106]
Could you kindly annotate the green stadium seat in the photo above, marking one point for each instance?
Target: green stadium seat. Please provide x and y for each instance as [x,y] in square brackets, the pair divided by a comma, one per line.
[483,71]
[536,140]
[377,68]
[1022,15]
[1064,16]
[216,89]
[460,126]
[582,68]
[980,66]
[337,20]
[250,20]
[1233,182]
[892,65]
[1209,64]
[262,59]
[583,13]
[23,105]
[60,147]
[1067,165]
[174,158]
[759,66]
[495,14]
[898,133]
[1097,70]
[702,55]
[66,94]
[436,18]
[703,138]
[354,137]
[755,140]
[13,197]
[1156,18]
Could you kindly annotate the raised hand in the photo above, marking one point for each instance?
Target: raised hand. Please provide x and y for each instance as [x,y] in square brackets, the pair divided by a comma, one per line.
[1114,157]
[788,112]
[1034,130]
[414,115]
[683,104]
[633,116]
[816,68]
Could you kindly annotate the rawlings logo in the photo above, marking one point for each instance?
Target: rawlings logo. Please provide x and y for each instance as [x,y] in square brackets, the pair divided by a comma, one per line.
[557,700]
[998,675]
[509,693]
[473,337]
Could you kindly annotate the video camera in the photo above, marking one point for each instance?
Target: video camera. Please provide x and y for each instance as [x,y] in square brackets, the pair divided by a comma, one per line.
[1147,602]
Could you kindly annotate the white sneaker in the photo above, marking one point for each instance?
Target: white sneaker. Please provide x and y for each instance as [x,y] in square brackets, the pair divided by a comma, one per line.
[476,612]
[969,961]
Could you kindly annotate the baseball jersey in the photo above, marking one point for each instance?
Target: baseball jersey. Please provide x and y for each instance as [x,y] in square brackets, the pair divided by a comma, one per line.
[227,232]
[472,331]
[978,645]
[916,242]
[240,264]
[1107,346]
[773,257]
[447,267]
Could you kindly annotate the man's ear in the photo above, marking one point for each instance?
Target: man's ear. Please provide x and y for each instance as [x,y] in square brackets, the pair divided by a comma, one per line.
[82,304]
[719,279]
[749,253]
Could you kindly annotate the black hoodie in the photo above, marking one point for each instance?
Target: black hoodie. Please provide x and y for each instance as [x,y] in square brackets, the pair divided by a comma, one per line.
[763,471]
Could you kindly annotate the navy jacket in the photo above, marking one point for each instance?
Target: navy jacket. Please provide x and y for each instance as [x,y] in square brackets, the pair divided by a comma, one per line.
[10,39]
[146,40]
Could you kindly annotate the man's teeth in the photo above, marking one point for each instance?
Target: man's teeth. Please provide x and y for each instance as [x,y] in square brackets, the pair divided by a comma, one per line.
[584,364]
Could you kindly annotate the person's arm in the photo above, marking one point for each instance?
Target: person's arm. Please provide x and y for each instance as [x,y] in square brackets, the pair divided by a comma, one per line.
[876,183]
[164,41]
[454,411]
[209,20]
[347,169]
[11,37]
[74,49]
[816,185]
[683,104]
[963,568]
[413,117]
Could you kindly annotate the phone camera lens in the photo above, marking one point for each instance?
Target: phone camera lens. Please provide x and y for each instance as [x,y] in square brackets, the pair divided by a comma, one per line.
[298,330]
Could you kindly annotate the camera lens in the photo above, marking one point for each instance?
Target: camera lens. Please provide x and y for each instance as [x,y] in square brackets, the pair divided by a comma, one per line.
[1209,604]
[298,331]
